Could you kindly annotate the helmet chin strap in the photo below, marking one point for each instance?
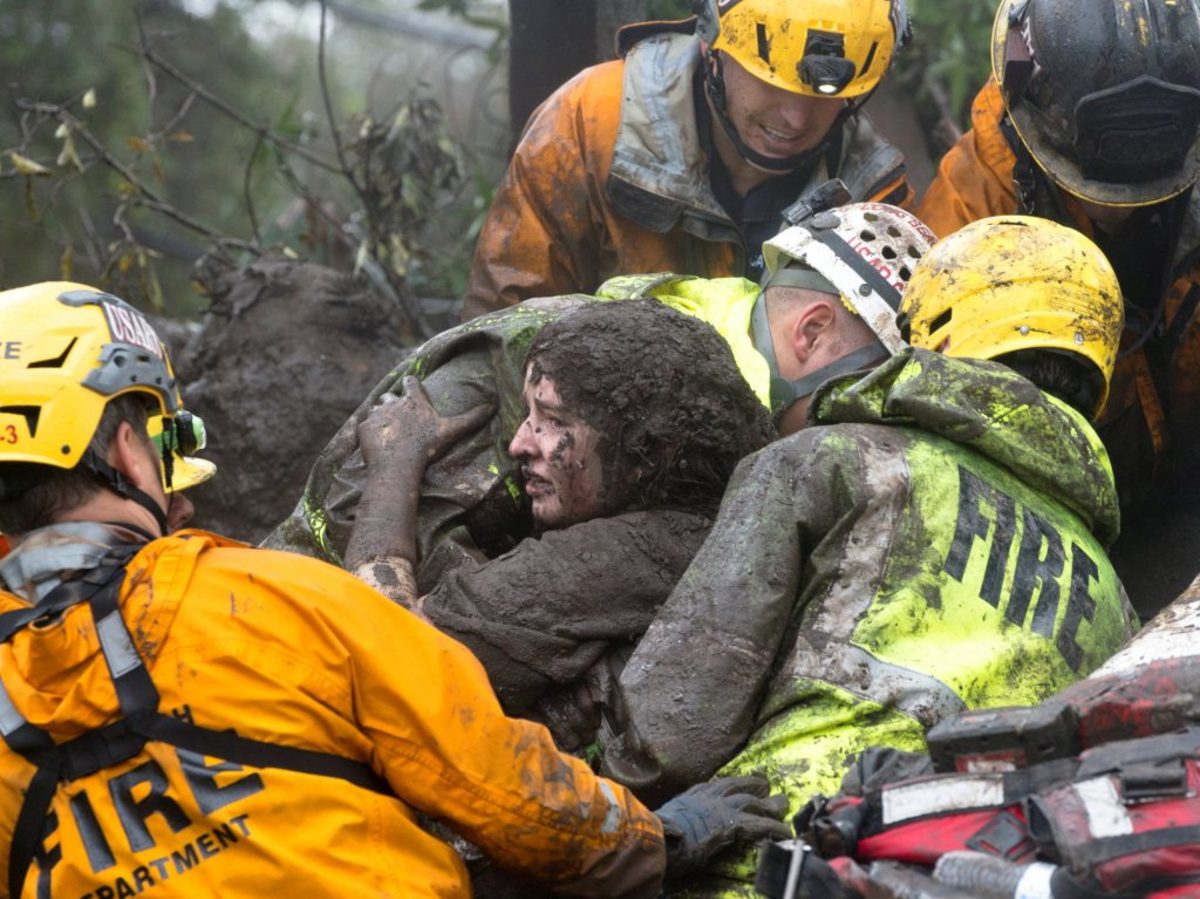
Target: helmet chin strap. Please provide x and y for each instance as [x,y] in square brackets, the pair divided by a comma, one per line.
[121,485]
[784,392]
[714,85]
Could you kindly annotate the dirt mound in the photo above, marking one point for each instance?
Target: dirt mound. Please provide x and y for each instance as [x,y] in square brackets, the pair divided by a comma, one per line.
[284,355]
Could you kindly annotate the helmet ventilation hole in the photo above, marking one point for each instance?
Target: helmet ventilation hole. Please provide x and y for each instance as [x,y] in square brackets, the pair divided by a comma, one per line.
[866,235]
[941,321]
[58,361]
[31,414]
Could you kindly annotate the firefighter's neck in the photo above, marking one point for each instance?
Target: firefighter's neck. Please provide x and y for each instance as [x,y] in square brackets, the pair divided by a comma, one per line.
[134,459]
[742,175]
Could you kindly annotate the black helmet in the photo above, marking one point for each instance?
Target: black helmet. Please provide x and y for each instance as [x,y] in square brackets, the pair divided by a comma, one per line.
[1104,93]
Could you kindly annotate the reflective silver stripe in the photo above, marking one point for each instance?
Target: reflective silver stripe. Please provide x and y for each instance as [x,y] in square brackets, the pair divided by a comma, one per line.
[901,803]
[117,646]
[1106,813]
[919,695]
[43,556]
[867,547]
[1173,634]
[612,819]
[10,718]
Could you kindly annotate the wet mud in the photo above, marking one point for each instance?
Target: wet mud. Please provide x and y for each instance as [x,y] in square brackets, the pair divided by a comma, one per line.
[283,356]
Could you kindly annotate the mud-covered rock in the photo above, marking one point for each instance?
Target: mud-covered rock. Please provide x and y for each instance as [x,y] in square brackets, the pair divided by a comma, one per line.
[285,353]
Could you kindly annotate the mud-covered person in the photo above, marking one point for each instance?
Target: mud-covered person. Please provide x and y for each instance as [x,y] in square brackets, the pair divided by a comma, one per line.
[636,417]
[683,154]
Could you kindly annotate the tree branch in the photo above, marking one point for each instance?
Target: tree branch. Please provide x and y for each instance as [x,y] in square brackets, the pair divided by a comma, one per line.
[146,196]
[237,115]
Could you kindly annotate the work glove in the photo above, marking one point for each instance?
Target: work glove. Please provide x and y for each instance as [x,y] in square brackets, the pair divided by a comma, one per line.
[713,816]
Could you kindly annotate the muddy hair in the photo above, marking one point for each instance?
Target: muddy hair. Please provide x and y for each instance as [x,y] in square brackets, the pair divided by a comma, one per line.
[33,496]
[1065,376]
[662,390]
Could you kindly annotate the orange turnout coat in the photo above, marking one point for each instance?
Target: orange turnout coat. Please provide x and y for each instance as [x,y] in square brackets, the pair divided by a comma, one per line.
[611,178]
[286,650]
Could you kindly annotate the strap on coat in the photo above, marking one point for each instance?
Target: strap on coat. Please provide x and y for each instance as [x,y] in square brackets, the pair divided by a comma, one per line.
[141,722]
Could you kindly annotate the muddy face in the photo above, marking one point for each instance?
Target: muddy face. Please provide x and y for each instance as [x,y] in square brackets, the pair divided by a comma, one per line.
[560,458]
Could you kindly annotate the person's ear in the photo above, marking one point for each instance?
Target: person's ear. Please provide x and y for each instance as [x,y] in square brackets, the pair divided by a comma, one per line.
[811,329]
[133,456]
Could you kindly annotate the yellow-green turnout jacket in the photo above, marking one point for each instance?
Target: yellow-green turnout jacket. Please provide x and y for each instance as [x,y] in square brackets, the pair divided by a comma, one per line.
[933,541]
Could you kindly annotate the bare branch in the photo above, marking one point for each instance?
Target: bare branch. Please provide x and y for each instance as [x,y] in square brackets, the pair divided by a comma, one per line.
[177,119]
[146,196]
[329,116]
[237,115]
[258,142]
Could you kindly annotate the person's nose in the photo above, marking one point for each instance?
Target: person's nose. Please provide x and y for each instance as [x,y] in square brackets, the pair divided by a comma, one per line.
[796,109]
[522,443]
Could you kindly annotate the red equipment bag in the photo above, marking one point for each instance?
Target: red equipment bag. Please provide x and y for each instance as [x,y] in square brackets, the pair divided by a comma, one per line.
[1122,819]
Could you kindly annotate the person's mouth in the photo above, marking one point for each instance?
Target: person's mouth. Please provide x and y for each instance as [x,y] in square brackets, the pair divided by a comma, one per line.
[782,142]
[536,486]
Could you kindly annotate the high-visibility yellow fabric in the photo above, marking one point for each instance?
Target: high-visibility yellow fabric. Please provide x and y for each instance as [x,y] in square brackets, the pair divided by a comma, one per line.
[1151,422]
[725,303]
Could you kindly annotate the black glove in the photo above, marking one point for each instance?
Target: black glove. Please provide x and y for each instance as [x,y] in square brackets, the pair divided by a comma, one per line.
[711,816]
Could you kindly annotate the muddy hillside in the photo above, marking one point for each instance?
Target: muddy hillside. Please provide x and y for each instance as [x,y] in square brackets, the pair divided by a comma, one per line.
[282,357]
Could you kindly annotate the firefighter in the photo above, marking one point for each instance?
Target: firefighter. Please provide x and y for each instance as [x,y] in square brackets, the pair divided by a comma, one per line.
[184,713]
[683,154]
[930,539]
[1113,151]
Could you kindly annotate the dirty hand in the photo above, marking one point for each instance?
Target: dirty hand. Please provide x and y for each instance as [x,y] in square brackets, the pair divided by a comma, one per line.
[712,816]
[409,428]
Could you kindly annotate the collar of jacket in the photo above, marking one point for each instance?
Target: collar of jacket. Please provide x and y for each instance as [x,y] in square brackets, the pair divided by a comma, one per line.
[659,175]
[993,410]
[41,559]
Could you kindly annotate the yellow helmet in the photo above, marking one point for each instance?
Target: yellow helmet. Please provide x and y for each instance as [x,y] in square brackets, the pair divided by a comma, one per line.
[820,48]
[66,350]
[1010,283]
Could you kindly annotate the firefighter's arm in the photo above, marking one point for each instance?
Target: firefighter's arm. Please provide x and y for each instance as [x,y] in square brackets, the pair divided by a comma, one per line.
[691,689]
[447,749]
[539,237]
[974,178]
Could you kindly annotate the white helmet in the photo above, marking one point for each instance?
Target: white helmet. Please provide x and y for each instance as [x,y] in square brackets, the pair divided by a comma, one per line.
[862,252]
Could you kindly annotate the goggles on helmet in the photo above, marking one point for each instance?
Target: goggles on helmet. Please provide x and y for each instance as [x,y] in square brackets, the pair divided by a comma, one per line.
[178,438]
[183,434]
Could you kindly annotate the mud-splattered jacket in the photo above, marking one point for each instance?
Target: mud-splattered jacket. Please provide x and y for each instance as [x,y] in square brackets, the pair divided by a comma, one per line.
[934,540]
[610,177]
[1151,424]
[597,584]
[290,651]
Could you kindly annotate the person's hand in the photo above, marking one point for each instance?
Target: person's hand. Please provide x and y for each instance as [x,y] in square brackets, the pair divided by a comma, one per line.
[409,429]
[712,816]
